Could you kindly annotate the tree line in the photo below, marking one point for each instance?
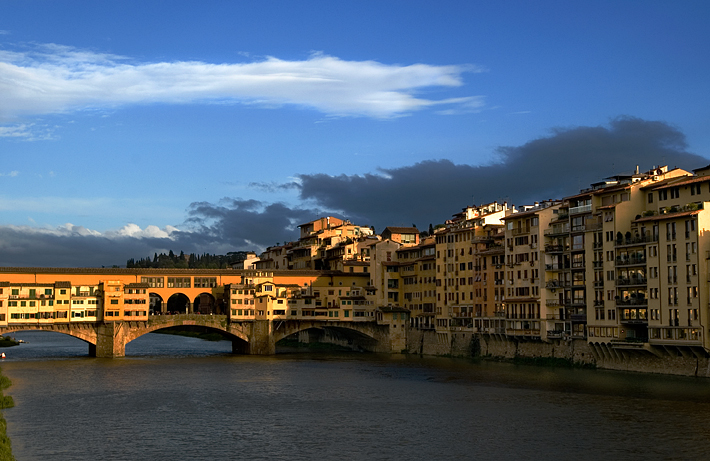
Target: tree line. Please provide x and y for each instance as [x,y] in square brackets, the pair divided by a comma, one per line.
[191,261]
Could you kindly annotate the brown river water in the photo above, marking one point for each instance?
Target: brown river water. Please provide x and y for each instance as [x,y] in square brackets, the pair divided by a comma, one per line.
[175,398]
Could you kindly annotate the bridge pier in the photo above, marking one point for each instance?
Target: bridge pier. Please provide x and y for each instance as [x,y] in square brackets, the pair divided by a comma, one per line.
[110,340]
[261,342]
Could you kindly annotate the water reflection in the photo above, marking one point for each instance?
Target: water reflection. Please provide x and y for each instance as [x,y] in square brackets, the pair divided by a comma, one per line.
[181,398]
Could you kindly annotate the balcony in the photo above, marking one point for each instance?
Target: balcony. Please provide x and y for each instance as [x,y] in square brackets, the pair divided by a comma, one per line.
[622,281]
[556,230]
[556,267]
[631,261]
[562,215]
[553,303]
[555,248]
[580,209]
[590,227]
[634,301]
[636,240]
[521,230]
[557,284]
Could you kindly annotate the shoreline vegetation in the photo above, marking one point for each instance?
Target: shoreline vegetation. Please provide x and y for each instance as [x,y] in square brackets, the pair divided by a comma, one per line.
[6,401]
[8,342]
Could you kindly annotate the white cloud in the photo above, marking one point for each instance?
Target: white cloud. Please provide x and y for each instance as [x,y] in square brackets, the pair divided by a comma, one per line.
[133,230]
[69,230]
[26,131]
[55,79]
[11,174]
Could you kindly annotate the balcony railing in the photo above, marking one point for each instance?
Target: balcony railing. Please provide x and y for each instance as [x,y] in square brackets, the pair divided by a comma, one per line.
[555,248]
[556,267]
[580,209]
[632,302]
[557,230]
[631,281]
[631,261]
[557,284]
[630,240]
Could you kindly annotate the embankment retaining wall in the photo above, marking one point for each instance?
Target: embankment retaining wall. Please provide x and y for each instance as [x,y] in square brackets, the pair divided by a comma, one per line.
[458,344]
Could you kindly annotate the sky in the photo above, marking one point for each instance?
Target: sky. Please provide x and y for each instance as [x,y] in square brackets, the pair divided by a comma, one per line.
[134,127]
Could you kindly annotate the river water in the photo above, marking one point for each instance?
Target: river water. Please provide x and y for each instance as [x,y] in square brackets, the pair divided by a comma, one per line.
[175,398]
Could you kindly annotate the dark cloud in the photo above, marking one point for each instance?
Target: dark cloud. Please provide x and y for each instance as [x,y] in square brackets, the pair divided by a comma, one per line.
[559,165]
[554,166]
[22,247]
[244,224]
[230,225]
[273,187]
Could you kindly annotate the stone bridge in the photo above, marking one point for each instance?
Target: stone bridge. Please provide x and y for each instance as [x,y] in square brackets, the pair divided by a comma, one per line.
[255,337]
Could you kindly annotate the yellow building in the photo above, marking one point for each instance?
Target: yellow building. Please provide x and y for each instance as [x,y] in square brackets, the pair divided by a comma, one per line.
[468,257]
[535,287]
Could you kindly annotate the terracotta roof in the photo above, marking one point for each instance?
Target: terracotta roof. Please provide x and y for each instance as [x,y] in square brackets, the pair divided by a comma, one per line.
[402,230]
[664,216]
[657,184]
[607,207]
[682,182]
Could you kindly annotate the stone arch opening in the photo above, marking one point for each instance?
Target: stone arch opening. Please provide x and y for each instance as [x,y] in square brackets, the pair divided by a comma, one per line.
[87,335]
[240,341]
[179,304]
[338,336]
[205,303]
[157,306]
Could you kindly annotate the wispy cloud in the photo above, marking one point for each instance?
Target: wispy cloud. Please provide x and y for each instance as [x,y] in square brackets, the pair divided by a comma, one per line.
[26,131]
[54,79]
[11,174]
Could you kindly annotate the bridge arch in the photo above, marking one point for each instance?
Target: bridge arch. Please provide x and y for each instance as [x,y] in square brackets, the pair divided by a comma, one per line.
[78,331]
[368,337]
[179,303]
[232,332]
[157,304]
[205,303]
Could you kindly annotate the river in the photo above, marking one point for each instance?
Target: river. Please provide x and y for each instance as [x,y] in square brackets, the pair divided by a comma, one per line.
[174,398]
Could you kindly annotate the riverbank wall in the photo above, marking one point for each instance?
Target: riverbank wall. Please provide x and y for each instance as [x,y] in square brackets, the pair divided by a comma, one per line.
[633,357]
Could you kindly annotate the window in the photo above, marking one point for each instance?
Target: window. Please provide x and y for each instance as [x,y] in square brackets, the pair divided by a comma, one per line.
[205,282]
[154,282]
[114,301]
[178,282]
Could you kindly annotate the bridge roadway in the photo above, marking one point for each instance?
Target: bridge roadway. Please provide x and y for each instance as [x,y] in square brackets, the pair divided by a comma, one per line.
[252,336]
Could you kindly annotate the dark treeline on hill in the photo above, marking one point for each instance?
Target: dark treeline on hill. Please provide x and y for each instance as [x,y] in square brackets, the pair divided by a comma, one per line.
[191,261]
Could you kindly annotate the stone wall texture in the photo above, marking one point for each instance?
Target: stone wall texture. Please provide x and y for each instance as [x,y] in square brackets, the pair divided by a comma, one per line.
[673,361]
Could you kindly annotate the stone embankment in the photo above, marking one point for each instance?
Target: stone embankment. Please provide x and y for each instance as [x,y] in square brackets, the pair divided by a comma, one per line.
[576,352]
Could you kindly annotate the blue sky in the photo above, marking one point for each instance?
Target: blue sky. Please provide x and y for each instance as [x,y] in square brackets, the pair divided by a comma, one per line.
[218,126]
